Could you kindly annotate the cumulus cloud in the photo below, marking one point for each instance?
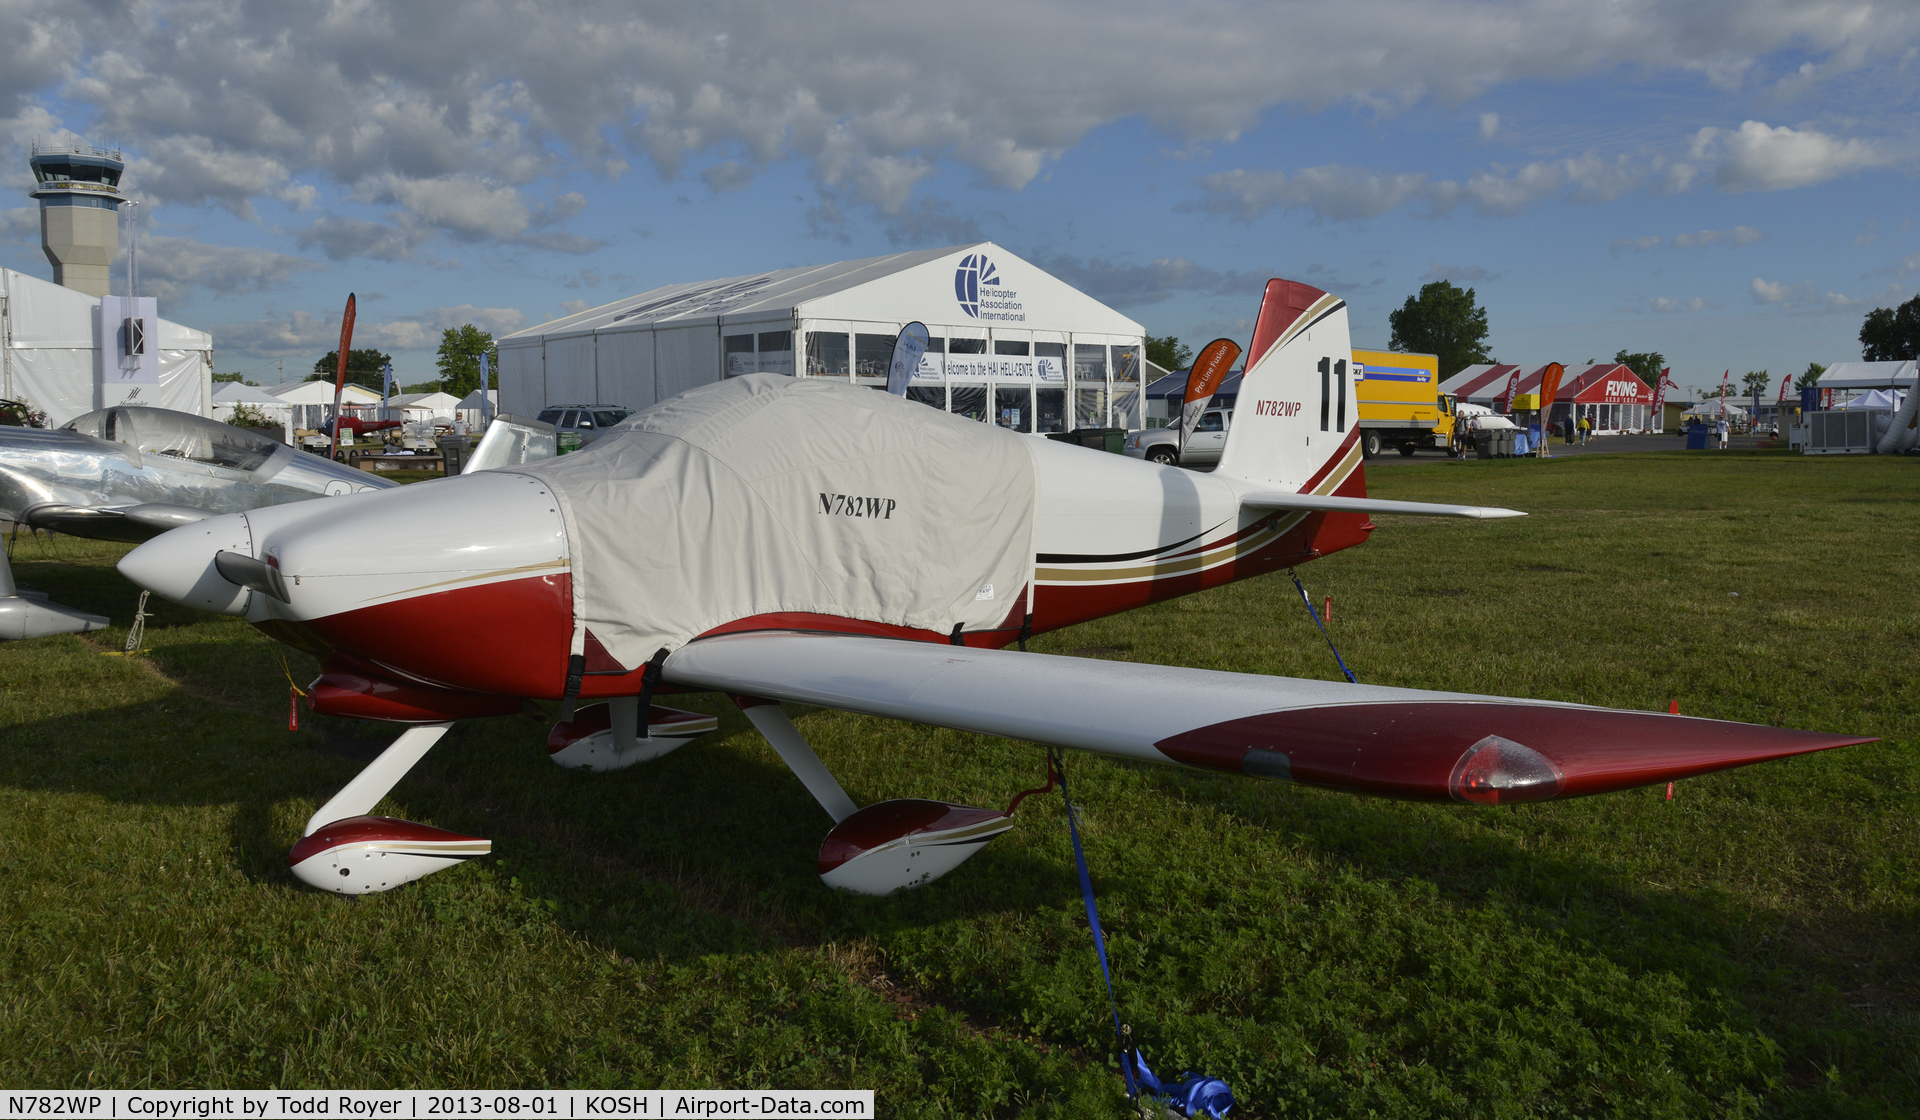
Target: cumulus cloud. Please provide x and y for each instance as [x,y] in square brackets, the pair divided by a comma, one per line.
[304,335]
[173,267]
[400,100]
[1128,284]
[1335,192]
[1664,305]
[1735,237]
[1459,274]
[1756,157]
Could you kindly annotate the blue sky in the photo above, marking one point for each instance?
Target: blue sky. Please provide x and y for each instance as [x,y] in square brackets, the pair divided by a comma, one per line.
[1731,184]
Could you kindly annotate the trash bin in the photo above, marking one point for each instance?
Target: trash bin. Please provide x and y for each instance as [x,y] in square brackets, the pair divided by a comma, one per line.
[1484,445]
[453,454]
[1697,437]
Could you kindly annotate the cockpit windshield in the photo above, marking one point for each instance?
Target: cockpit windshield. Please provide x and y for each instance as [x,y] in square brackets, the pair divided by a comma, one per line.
[162,431]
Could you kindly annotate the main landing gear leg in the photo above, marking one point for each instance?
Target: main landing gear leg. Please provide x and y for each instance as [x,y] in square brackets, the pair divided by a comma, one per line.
[887,846]
[345,851]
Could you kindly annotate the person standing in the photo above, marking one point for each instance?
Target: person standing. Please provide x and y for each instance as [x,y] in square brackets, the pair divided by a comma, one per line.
[1726,432]
[1586,429]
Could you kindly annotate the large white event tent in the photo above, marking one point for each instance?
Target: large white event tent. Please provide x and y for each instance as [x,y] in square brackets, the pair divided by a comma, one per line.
[49,343]
[1012,344]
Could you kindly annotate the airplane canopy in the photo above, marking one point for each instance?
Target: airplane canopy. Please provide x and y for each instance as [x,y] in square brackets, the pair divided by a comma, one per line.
[765,494]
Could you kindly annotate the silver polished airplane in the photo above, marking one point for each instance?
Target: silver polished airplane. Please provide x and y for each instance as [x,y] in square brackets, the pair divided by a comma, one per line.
[780,539]
[130,473]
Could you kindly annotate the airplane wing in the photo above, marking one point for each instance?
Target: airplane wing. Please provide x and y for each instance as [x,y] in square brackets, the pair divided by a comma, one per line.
[1394,742]
[127,523]
[1318,503]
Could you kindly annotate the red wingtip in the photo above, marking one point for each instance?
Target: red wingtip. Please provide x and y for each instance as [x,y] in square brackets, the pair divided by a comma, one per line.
[1441,750]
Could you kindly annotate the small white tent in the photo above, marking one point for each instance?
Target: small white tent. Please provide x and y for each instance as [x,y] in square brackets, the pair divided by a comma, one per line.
[422,408]
[1873,398]
[312,401]
[232,393]
[470,410]
[48,343]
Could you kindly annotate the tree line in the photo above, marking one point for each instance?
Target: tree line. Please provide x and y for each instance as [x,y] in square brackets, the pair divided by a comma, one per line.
[458,361]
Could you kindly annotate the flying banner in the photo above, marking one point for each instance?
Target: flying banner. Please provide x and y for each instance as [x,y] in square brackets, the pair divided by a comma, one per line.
[340,379]
[1210,368]
[907,350]
[1549,389]
[1784,382]
[1723,390]
[1506,395]
[1660,384]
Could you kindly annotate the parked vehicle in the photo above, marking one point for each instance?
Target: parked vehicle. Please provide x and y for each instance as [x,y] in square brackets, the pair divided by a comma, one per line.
[1162,445]
[1401,406]
[581,424]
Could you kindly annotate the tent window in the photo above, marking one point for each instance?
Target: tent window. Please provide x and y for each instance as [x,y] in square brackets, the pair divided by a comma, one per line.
[826,354]
[933,395]
[1002,346]
[872,354]
[936,345]
[1126,363]
[1090,406]
[1051,404]
[970,401]
[776,352]
[967,346]
[739,352]
[1090,364]
[1012,408]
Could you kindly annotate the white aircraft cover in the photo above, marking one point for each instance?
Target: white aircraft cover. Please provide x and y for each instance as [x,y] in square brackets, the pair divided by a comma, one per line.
[767,494]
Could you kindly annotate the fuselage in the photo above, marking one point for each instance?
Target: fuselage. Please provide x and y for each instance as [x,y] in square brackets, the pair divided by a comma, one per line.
[157,456]
[458,592]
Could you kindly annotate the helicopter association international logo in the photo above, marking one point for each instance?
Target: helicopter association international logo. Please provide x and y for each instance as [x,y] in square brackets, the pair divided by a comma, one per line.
[976,284]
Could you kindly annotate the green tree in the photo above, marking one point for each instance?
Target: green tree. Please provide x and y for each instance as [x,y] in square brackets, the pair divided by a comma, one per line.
[219,377]
[1168,352]
[1808,379]
[459,358]
[421,387]
[1442,320]
[1646,366]
[364,367]
[1756,381]
[1892,334]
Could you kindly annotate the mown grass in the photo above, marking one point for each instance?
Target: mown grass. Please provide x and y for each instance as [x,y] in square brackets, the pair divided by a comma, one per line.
[1748,948]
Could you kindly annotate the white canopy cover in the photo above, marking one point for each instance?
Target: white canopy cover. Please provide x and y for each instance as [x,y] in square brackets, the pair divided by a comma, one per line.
[767,494]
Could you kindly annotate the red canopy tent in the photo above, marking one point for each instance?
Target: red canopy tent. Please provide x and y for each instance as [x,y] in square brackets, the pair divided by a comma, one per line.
[1612,396]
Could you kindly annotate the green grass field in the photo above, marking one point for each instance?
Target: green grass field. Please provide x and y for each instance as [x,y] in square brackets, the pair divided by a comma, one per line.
[1749,948]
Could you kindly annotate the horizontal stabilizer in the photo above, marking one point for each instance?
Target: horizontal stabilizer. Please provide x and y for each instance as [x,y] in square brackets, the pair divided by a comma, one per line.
[1318,503]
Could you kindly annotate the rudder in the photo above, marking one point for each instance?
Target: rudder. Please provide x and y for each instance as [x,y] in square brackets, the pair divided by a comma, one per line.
[1296,424]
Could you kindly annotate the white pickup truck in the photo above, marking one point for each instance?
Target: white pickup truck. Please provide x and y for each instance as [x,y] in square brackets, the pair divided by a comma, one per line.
[1162,445]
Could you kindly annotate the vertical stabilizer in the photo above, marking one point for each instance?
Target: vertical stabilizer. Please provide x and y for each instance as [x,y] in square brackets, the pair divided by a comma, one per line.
[1297,421]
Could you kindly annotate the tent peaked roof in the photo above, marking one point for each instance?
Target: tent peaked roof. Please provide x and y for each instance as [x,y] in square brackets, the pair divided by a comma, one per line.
[1869,375]
[233,392]
[765,296]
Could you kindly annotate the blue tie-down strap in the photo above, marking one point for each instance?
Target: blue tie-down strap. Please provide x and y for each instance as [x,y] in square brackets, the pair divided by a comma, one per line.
[1195,1095]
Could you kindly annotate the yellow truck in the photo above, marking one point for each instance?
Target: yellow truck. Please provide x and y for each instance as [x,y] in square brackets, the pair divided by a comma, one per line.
[1401,405]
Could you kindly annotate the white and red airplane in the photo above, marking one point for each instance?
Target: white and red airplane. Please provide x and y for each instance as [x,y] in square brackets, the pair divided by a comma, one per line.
[794,540]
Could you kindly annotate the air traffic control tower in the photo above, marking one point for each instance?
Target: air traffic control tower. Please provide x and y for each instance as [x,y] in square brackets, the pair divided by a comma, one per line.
[79,191]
